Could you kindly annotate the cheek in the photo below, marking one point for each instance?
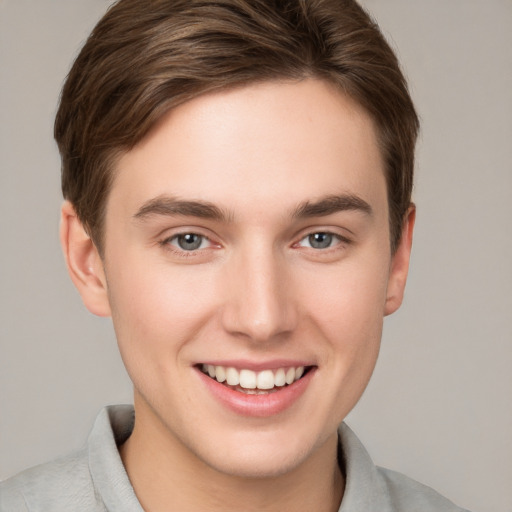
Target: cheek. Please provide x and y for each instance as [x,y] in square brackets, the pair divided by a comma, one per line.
[347,309]
[352,295]
[157,308]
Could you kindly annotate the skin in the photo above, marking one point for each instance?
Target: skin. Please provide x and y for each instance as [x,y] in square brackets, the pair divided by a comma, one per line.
[255,290]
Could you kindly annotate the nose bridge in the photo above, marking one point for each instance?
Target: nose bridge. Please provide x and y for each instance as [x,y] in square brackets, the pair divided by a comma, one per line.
[259,305]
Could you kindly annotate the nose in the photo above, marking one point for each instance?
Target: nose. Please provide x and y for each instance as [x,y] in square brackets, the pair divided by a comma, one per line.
[260,304]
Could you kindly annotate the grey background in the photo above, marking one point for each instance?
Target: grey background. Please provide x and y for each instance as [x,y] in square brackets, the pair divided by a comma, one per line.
[439,406]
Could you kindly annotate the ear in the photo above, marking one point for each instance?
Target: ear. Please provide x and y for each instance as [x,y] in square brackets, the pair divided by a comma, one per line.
[400,264]
[83,261]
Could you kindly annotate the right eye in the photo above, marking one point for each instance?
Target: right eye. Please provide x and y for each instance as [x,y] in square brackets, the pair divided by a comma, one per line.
[189,242]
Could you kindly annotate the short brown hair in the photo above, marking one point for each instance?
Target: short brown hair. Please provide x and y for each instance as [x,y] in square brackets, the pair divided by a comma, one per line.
[145,57]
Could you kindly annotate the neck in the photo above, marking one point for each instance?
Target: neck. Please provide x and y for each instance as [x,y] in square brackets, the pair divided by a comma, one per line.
[166,476]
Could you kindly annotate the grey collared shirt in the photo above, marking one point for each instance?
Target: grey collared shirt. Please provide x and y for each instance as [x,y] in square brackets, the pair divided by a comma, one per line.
[94,479]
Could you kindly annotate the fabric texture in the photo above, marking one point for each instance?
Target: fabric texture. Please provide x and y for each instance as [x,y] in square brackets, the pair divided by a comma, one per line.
[94,479]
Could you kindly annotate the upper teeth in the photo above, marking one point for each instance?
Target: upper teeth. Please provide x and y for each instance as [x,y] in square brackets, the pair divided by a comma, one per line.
[249,379]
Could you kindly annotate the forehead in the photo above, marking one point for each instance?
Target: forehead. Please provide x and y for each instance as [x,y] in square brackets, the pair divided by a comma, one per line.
[269,144]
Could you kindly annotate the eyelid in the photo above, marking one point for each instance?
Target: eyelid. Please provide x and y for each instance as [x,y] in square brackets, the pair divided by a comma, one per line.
[180,230]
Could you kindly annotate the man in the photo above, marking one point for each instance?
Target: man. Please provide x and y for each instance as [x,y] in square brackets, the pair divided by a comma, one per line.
[237,177]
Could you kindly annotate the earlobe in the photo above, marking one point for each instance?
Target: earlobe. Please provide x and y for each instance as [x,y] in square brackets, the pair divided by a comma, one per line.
[83,261]
[400,264]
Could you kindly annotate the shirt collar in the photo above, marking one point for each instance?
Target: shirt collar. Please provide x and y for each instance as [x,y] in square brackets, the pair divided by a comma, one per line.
[364,488]
[112,427]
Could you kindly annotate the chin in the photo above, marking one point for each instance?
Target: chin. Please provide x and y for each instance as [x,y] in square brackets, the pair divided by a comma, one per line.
[256,466]
[266,456]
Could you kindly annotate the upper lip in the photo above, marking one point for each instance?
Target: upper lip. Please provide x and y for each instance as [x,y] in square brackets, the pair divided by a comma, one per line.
[256,366]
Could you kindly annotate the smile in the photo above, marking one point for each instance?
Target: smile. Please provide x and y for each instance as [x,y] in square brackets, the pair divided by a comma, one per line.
[251,382]
[253,390]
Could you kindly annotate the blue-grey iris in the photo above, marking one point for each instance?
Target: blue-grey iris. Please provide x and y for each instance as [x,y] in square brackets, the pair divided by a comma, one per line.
[189,241]
[320,240]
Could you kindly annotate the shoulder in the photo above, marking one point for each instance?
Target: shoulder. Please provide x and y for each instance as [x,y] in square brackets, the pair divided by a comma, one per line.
[92,479]
[374,489]
[62,485]
[407,494]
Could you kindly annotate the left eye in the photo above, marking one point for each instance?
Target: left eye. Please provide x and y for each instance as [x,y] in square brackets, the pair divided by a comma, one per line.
[320,240]
[189,241]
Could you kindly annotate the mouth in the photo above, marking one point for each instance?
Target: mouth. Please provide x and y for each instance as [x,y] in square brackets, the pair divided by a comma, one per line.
[252,382]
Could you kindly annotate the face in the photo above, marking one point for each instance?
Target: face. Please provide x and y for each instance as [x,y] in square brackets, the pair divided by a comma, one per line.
[248,270]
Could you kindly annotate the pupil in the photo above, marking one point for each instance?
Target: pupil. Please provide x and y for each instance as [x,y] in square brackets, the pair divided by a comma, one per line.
[320,240]
[189,242]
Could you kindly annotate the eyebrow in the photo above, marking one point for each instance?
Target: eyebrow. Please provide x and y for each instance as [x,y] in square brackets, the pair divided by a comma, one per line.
[332,204]
[172,206]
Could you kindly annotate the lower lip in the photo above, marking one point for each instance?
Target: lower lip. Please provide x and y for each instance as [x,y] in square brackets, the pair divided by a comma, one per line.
[260,406]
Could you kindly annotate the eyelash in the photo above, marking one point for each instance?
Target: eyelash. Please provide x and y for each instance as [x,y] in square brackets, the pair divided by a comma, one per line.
[183,253]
